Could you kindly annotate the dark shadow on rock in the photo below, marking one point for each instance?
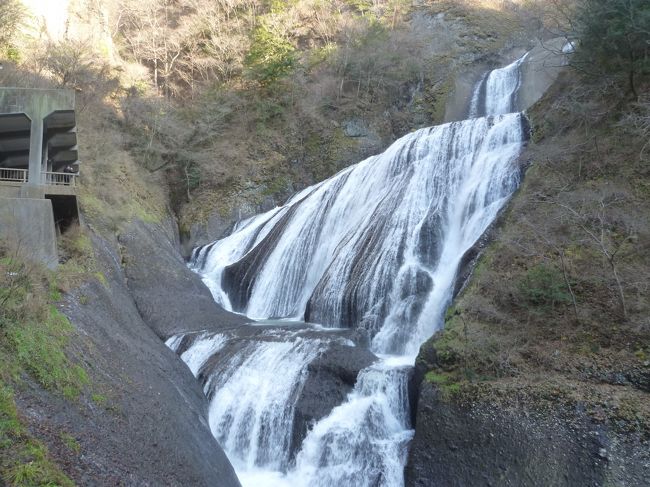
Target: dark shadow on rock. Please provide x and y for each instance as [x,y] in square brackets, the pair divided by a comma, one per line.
[458,444]
[170,297]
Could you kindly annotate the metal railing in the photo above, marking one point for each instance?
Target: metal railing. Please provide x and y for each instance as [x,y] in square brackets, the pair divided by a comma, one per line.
[60,179]
[13,175]
[20,176]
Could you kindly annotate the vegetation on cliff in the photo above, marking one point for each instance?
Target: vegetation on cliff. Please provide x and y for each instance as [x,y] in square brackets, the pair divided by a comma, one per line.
[557,306]
[34,337]
[227,104]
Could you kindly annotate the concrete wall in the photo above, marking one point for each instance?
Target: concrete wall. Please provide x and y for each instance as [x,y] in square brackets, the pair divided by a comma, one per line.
[9,191]
[35,102]
[29,223]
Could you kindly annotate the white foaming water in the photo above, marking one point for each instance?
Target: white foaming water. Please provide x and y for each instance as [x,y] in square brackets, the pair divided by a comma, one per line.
[203,347]
[377,246]
[252,390]
[364,248]
[363,441]
[496,92]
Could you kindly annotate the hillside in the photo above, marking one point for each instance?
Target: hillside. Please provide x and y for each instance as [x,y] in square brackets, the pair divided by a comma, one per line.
[241,106]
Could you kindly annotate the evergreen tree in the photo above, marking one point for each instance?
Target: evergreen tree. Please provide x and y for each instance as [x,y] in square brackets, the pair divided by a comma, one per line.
[615,36]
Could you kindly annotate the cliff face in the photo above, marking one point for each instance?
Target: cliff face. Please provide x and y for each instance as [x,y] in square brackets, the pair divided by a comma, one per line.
[143,420]
[541,374]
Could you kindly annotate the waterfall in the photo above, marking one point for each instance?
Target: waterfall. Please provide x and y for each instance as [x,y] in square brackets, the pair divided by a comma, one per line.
[496,92]
[252,385]
[365,246]
[363,441]
[375,247]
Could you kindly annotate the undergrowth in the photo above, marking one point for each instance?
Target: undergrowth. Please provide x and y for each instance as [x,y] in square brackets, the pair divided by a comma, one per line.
[34,335]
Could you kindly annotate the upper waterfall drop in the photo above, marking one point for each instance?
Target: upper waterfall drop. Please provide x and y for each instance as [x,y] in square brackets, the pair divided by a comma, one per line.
[366,244]
[496,92]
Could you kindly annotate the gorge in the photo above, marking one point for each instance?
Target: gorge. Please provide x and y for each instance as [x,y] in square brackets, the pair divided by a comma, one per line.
[328,243]
[376,249]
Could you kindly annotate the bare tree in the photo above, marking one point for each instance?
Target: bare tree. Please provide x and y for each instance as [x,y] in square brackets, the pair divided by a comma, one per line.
[599,231]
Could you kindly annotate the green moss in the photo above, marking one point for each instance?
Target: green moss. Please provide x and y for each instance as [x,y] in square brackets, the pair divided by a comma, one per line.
[101,278]
[71,443]
[34,336]
[445,382]
[24,461]
[9,424]
[436,98]
[39,349]
[145,215]
[55,292]
[99,399]
[436,378]
[277,185]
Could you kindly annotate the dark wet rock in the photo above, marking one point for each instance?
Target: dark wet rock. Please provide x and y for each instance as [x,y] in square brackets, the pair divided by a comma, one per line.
[355,128]
[218,225]
[478,443]
[635,376]
[330,378]
[144,420]
[461,445]
[170,297]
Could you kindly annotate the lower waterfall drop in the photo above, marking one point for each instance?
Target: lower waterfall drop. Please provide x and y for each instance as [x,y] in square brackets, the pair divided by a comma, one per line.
[375,247]
[363,441]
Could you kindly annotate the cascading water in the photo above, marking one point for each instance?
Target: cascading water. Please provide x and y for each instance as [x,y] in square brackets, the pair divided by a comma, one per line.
[375,247]
[496,93]
[252,384]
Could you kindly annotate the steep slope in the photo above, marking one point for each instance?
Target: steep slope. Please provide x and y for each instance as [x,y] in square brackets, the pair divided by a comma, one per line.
[126,427]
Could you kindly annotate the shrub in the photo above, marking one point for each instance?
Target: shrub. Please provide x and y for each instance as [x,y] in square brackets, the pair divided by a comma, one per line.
[543,285]
[271,56]
[11,15]
[614,36]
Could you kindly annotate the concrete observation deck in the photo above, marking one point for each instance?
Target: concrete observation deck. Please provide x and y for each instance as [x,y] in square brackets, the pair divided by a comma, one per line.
[39,167]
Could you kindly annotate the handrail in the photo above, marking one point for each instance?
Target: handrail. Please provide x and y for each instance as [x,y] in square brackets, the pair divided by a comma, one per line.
[20,176]
[60,178]
[13,175]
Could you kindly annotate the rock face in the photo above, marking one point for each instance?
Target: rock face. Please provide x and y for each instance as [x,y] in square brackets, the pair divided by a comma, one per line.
[170,298]
[146,422]
[484,444]
[540,69]
[330,378]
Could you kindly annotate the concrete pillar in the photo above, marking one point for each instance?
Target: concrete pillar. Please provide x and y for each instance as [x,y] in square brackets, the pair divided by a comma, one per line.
[36,152]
